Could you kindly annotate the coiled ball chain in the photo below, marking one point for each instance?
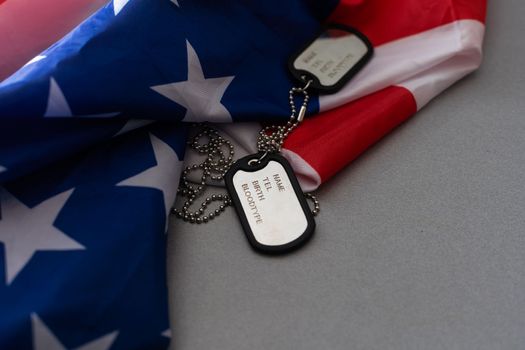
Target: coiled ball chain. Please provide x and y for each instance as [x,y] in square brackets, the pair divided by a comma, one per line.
[219,154]
[219,158]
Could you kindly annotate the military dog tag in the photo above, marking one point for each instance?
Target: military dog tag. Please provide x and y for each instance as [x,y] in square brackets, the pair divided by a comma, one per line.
[332,59]
[269,202]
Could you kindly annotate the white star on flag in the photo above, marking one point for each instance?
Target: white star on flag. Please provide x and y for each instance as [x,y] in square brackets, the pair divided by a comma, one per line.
[200,96]
[44,339]
[167,334]
[164,176]
[2,169]
[118,5]
[35,59]
[24,230]
[57,105]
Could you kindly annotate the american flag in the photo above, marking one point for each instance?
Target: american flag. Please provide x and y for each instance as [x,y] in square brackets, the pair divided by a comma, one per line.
[93,113]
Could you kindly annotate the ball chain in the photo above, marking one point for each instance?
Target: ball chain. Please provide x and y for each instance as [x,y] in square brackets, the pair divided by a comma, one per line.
[315,201]
[219,158]
[271,138]
[219,154]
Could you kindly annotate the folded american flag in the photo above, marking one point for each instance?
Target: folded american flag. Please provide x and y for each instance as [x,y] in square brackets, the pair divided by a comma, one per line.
[92,135]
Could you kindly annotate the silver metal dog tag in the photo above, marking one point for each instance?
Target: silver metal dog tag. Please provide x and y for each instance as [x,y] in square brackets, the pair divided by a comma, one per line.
[270,203]
[336,55]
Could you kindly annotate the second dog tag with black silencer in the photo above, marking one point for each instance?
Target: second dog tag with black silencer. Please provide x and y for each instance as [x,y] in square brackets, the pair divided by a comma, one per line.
[329,61]
[270,203]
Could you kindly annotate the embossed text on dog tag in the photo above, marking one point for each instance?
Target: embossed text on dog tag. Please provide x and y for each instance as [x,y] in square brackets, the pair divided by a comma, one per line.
[269,202]
[336,55]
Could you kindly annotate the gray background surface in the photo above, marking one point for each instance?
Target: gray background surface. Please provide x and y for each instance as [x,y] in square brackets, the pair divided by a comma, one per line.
[420,244]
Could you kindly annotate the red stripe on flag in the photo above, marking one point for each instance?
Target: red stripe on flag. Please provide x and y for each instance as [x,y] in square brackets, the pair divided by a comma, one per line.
[331,140]
[384,21]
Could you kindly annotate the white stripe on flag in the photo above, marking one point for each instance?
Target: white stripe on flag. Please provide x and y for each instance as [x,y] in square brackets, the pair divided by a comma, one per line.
[308,177]
[425,64]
